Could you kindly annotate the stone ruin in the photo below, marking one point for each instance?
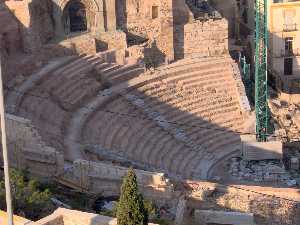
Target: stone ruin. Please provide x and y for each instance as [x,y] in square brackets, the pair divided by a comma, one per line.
[93,87]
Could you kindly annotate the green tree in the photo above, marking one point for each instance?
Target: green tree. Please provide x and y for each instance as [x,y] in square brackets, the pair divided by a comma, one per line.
[27,199]
[131,209]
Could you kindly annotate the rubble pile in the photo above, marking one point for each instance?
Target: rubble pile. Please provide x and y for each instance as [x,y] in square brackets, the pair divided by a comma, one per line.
[286,120]
[259,171]
[292,160]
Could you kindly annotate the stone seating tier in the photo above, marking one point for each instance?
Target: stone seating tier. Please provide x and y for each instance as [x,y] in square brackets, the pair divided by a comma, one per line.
[181,116]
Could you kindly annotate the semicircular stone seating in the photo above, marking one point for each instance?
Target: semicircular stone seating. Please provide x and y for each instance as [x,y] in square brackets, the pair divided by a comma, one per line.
[181,120]
[50,96]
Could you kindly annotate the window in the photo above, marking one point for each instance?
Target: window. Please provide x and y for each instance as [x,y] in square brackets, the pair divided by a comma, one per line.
[288,45]
[289,20]
[154,12]
[288,66]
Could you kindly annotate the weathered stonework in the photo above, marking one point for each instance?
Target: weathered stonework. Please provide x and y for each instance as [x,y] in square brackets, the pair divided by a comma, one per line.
[63,216]
[111,40]
[34,22]
[106,179]
[84,44]
[268,205]
[202,39]
[28,151]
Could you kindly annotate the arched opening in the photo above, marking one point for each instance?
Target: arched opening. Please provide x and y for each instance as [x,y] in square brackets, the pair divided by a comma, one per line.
[75,17]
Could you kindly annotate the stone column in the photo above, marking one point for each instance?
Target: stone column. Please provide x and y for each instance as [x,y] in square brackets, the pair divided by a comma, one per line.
[167,29]
[58,17]
[111,15]
[99,22]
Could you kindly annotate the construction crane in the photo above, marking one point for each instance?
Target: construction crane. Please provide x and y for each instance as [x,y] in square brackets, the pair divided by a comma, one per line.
[261,86]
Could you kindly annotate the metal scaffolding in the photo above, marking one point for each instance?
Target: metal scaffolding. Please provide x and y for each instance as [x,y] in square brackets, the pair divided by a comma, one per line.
[261,86]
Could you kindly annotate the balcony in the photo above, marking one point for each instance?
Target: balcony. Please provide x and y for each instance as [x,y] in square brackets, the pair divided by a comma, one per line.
[289,27]
[290,53]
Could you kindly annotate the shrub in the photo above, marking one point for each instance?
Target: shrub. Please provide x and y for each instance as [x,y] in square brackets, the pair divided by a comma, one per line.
[27,199]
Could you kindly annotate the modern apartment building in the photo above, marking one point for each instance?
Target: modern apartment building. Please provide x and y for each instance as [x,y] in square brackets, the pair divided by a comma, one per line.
[284,47]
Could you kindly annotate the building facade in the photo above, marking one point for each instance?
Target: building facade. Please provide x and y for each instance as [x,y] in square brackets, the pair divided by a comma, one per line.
[284,47]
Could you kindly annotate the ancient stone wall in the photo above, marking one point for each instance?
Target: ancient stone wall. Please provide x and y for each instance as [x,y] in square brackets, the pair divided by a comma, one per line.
[149,20]
[83,44]
[228,10]
[28,151]
[111,40]
[267,204]
[97,177]
[10,38]
[35,23]
[100,16]
[208,38]
[63,216]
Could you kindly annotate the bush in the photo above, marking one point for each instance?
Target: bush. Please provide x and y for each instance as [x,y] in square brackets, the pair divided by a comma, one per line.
[131,209]
[27,199]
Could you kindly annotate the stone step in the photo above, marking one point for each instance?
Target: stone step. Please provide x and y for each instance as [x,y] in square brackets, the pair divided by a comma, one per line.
[168,158]
[201,71]
[190,106]
[184,162]
[70,66]
[204,125]
[59,76]
[185,105]
[212,135]
[110,68]
[126,76]
[204,112]
[102,66]
[192,165]
[178,67]
[90,65]
[169,101]
[163,91]
[14,99]
[119,71]
[141,137]
[226,140]
[111,125]
[81,93]
[160,145]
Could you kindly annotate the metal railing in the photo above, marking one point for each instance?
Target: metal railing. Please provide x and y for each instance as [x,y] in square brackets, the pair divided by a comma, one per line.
[289,27]
[246,75]
[290,52]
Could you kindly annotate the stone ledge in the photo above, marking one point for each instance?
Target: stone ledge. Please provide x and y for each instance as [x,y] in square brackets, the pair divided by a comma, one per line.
[222,217]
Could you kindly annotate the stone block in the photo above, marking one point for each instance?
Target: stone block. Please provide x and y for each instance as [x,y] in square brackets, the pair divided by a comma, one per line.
[252,150]
[222,217]
[63,216]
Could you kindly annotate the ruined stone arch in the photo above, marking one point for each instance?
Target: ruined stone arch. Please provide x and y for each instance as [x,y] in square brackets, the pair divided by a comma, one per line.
[94,15]
[94,5]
